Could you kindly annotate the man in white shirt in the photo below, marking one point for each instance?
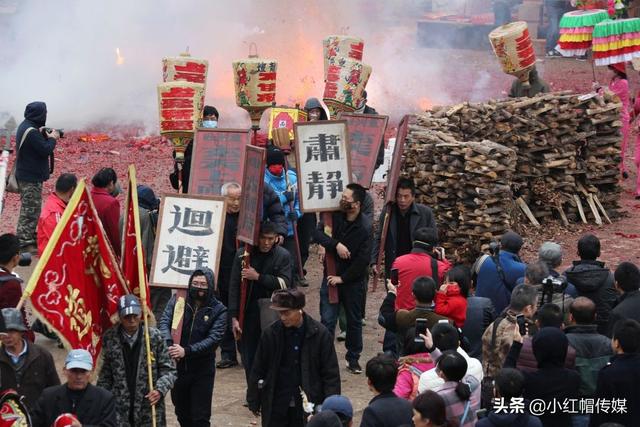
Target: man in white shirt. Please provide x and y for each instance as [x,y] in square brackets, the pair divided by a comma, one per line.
[442,337]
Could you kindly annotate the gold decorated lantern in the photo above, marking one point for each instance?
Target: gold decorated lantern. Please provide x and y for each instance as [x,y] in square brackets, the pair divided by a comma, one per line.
[336,47]
[180,105]
[512,45]
[284,117]
[345,83]
[255,83]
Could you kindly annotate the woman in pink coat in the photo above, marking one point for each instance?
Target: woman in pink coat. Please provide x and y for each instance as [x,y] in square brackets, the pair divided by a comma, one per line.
[620,86]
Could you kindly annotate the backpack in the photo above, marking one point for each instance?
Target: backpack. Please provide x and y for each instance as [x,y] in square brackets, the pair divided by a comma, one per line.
[415,376]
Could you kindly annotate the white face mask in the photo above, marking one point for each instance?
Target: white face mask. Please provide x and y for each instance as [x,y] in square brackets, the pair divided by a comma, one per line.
[212,124]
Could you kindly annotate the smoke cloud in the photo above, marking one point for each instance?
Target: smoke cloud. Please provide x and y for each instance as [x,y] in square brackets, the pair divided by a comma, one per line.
[64,53]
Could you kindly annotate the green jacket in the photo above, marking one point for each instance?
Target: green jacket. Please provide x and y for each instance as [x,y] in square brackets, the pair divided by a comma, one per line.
[113,378]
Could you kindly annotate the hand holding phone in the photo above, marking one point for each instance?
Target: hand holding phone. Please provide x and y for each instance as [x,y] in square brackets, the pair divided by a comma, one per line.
[521,326]
[421,329]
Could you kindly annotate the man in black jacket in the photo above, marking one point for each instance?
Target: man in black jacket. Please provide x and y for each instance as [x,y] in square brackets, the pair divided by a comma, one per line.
[296,357]
[34,163]
[203,325]
[231,191]
[350,243]
[91,405]
[593,280]
[269,270]
[385,409]
[627,283]
[406,217]
[619,379]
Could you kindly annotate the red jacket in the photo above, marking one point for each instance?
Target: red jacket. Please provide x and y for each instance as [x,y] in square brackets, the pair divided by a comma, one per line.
[108,209]
[49,217]
[410,267]
[452,304]
[10,294]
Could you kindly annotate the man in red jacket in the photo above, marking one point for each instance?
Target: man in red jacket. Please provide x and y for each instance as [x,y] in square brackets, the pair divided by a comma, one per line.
[104,192]
[54,208]
[421,261]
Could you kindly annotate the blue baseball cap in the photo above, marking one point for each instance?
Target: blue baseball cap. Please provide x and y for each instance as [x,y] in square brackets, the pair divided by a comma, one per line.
[129,304]
[79,359]
[338,404]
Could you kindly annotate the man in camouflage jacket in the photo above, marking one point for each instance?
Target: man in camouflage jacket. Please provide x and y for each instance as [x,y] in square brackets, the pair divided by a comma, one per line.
[124,368]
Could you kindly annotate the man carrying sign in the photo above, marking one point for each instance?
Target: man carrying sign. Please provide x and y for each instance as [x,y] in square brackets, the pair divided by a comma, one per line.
[270,269]
[350,241]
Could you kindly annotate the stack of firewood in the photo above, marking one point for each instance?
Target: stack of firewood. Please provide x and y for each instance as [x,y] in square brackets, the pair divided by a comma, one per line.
[468,184]
[567,145]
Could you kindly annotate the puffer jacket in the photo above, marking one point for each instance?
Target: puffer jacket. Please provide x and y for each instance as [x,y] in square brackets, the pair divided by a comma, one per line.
[593,352]
[409,371]
[272,209]
[279,186]
[594,281]
[527,361]
[202,329]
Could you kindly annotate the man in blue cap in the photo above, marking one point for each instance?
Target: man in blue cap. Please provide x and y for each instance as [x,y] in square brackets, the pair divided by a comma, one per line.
[124,368]
[341,406]
[91,405]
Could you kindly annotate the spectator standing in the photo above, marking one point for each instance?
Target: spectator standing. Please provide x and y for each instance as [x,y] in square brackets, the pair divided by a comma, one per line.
[10,282]
[498,274]
[91,405]
[593,280]
[24,366]
[385,409]
[54,207]
[461,392]
[104,192]
[620,378]
[627,283]
[593,350]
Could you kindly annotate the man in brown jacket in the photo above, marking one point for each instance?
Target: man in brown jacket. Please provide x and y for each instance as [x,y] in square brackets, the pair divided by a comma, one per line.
[497,338]
[24,366]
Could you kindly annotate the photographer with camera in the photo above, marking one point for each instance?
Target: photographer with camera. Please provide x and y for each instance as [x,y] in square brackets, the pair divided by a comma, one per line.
[497,274]
[550,289]
[34,163]
[10,283]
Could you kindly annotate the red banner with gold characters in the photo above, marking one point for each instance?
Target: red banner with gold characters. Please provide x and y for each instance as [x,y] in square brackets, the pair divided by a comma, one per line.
[76,285]
[134,274]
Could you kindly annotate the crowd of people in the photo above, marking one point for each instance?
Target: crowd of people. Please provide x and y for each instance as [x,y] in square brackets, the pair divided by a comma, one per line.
[502,342]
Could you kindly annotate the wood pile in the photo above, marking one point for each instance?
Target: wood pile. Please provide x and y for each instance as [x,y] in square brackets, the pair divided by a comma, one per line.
[466,183]
[567,148]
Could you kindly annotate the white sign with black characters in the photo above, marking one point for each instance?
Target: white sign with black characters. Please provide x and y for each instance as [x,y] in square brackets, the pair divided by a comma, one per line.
[324,164]
[189,237]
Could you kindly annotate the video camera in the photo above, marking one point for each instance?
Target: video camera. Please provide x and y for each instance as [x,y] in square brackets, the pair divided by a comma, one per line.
[45,131]
[554,284]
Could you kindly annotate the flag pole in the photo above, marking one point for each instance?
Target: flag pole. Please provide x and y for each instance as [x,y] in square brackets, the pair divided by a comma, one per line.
[142,282]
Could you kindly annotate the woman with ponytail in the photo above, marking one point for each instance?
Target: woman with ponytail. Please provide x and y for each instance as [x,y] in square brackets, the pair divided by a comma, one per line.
[429,410]
[460,392]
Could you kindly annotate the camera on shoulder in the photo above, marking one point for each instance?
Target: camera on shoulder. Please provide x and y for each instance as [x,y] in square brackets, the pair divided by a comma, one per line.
[46,131]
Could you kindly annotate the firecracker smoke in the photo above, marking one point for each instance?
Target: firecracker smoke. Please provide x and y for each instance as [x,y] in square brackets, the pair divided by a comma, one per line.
[98,63]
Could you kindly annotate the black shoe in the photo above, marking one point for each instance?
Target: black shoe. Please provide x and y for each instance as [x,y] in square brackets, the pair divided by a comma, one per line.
[354,367]
[226,363]
[302,283]
[625,174]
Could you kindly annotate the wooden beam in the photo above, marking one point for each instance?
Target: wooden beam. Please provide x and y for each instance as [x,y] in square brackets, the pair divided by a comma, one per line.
[563,216]
[604,213]
[594,209]
[580,208]
[523,205]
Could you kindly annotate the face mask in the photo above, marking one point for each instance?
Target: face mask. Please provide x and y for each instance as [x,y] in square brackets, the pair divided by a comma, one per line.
[116,190]
[195,294]
[212,124]
[276,169]
[345,206]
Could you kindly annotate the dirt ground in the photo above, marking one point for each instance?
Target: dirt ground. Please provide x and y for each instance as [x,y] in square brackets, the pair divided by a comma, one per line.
[620,240]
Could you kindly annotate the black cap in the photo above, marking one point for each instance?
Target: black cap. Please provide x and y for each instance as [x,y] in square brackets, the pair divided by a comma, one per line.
[287,299]
[275,157]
